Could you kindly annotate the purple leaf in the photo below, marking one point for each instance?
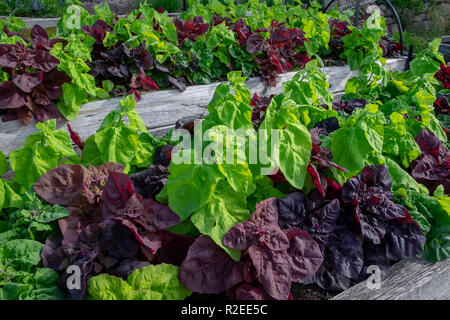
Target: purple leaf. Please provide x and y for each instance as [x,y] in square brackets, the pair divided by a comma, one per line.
[116,240]
[208,268]
[10,98]
[255,43]
[117,192]
[431,168]
[28,81]
[273,269]
[291,210]
[305,254]
[150,182]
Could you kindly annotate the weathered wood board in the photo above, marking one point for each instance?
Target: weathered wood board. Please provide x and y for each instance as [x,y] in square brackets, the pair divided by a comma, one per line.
[414,279]
[43,22]
[161,109]
[52,22]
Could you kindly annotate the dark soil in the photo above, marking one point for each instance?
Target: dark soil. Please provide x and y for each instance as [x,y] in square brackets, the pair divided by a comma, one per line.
[330,62]
[310,292]
[207,297]
[298,291]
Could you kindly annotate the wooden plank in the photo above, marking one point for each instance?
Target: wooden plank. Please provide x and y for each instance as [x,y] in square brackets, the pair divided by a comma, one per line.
[414,279]
[52,22]
[43,22]
[161,109]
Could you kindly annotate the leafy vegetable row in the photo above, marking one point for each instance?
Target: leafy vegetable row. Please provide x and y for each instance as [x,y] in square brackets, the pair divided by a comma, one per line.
[50,78]
[351,183]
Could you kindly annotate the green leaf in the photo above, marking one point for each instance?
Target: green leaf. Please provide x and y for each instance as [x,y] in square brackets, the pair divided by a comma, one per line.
[111,120]
[294,153]
[2,195]
[12,198]
[190,186]
[108,85]
[52,213]
[225,209]
[106,287]
[423,65]
[58,140]
[162,278]
[401,178]
[114,144]
[223,55]
[102,93]
[170,31]
[264,190]
[349,148]
[128,102]
[110,39]
[232,114]
[20,254]
[136,121]
[156,282]
[437,247]
[30,163]
[4,166]
[212,41]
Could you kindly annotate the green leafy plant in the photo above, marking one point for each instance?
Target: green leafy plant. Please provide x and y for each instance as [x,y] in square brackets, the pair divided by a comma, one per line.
[20,276]
[158,282]
[42,151]
[132,145]
[32,221]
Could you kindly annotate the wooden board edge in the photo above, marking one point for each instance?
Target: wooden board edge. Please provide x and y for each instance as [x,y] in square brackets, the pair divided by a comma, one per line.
[163,108]
[413,279]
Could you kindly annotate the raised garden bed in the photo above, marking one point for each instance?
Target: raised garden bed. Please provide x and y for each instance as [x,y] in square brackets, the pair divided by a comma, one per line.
[414,279]
[161,109]
[45,23]
[350,188]
[48,23]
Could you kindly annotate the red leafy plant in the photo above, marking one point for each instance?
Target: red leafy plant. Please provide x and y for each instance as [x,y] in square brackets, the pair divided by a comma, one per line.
[443,75]
[209,269]
[259,105]
[341,248]
[320,160]
[278,53]
[85,240]
[277,256]
[120,63]
[110,227]
[432,167]
[442,104]
[217,19]
[150,182]
[75,137]
[145,218]
[350,105]
[390,47]
[338,29]
[35,84]
[368,229]
[190,29]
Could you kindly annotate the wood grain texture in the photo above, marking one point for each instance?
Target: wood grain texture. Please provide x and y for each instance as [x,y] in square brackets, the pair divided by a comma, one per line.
[43,22]
[414,279]
[161,109]
[52,22]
